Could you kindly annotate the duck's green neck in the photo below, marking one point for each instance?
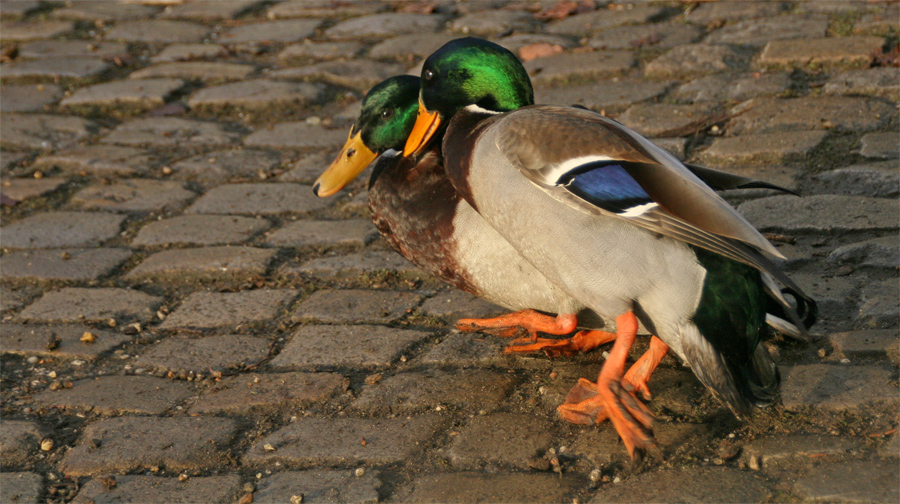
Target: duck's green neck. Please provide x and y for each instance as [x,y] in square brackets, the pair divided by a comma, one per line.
[474,71]
[388,113]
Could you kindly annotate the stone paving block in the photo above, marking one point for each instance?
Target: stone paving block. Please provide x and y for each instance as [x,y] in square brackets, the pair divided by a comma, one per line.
[654,35]
[9,160]
[11,299]
[101,160]
[411,46]
[875,253]
[16,9]
[880,145]
[592,22]
[237,394]
[295,135]
[221,309]
[879,180]
[319,8]
[758,32]
[871,481]
[39,49]
[779,449]
[602,95]
[883,82]
[318,487]
[309,166]
[354,265]
[688,485]
[138,443]
[67,264]
[355,306]
[836,296]
[824,213]
[216,353]
[157,31]
[20,189]
[721,88]
[492,22]
[19,31]
[61,229]
[764,148]
[836,387]
[359,346]
[31,339]
[259,199]
[140,488]
[92,11]
[407,393]
[55,68]
[879,304]
[195,70]
[891,448]
[200,230]
[170,132]
[44,132]
[221,166]
[117,395]
[694,59]
[516,43]
[188,52]
[462,349]
[20,441]
[314,233]
[29,97]
[501,438]
[852,51]
[339,441]
[601,446]
[134,195]
[291,30]
[455,304]
[256,94]
[770,115]
[133,94]
[93,305]
[208,263]
[466,487]
[880,22]
[563,68]
[708,13]
[208,10]
[658,119]
[384,25]
[319,51]
[22,487]
[356,74]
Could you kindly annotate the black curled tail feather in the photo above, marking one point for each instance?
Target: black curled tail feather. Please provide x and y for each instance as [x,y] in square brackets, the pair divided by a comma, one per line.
[806,309]
[762,379]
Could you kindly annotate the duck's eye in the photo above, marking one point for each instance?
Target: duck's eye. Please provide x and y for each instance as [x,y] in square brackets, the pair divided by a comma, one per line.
[387,113]
[428,75]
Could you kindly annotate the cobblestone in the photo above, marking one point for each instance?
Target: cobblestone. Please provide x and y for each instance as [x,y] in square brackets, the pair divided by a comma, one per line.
[874,253]
[62,264]
[18,31]
[312,233]
[21,189]
[272,31]
[91,10]
[407,47]
[28,98]
[832,214]
[169,131]
[881,82]
[138,94]
[462,487]
[259,199]
[91,305]
[44,132]
[226,165]
[880,146]
[203,355]
[318,487]
[296,135]
[55,68]
[694,59]
[383,25]
[692,484]
[601,19]
[354,265]
[17,9]
[71,49]
[871,482]
[24,487]
[879,304]
[61,229]
[200,230]
[655,35]
[320,51]
[318,8]
[710,13]
[780,449]
[487,23]
[502,438]
[30,339]
[337,441]
[210,263]
[115,395]
[355,306]
[572,67]
[763,148]
[235,394]
[206,10]
[195,70]
[359,75]
[139,488]
[835,387]
[758,32]
[602,95]
[360,346]
[256,94]
[101,160]
[717,88]
[770,115]
[157,31]
[132,443]
[19,442]
[878,343]
[221,309]
[134,195]
[657,119]
[188,52]
[879,180]
[852,51]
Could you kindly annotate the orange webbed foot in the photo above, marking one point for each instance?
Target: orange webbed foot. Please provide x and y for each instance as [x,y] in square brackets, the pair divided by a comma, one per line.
[582,341]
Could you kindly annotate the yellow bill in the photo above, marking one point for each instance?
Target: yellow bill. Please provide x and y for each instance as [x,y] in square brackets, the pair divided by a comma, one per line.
[426,125]
[352,160]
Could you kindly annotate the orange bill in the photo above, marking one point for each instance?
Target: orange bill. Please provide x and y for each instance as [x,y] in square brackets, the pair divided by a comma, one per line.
[352,160]
[426,125]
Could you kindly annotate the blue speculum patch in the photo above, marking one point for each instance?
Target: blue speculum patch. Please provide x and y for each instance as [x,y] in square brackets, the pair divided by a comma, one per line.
[609,186]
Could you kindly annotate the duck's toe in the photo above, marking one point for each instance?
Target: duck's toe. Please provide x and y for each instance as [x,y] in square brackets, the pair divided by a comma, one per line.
[582,341]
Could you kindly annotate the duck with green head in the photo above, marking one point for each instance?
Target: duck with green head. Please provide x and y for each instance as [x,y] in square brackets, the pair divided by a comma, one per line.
[616,222]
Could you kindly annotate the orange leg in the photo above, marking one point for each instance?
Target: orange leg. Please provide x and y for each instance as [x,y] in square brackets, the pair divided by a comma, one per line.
[582,341]
[611,398]
[640,372]
[529,320]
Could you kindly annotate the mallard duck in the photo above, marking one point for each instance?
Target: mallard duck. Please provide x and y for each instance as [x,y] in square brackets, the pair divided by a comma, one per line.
[616,222]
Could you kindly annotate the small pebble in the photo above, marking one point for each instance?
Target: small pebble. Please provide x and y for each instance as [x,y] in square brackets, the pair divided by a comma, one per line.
[822,353]
[166,170]
[845,361]
[373,379]
[47,444]
[183,477]
[88,337]
[754,463]
[268,447]
[297,499]
[553,375]
[112,322]
[359,472]
[249,487]
[33,360]
[52,374]
[596,475]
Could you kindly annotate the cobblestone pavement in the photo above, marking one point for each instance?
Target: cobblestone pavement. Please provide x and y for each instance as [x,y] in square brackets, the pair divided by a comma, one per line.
[183,321]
